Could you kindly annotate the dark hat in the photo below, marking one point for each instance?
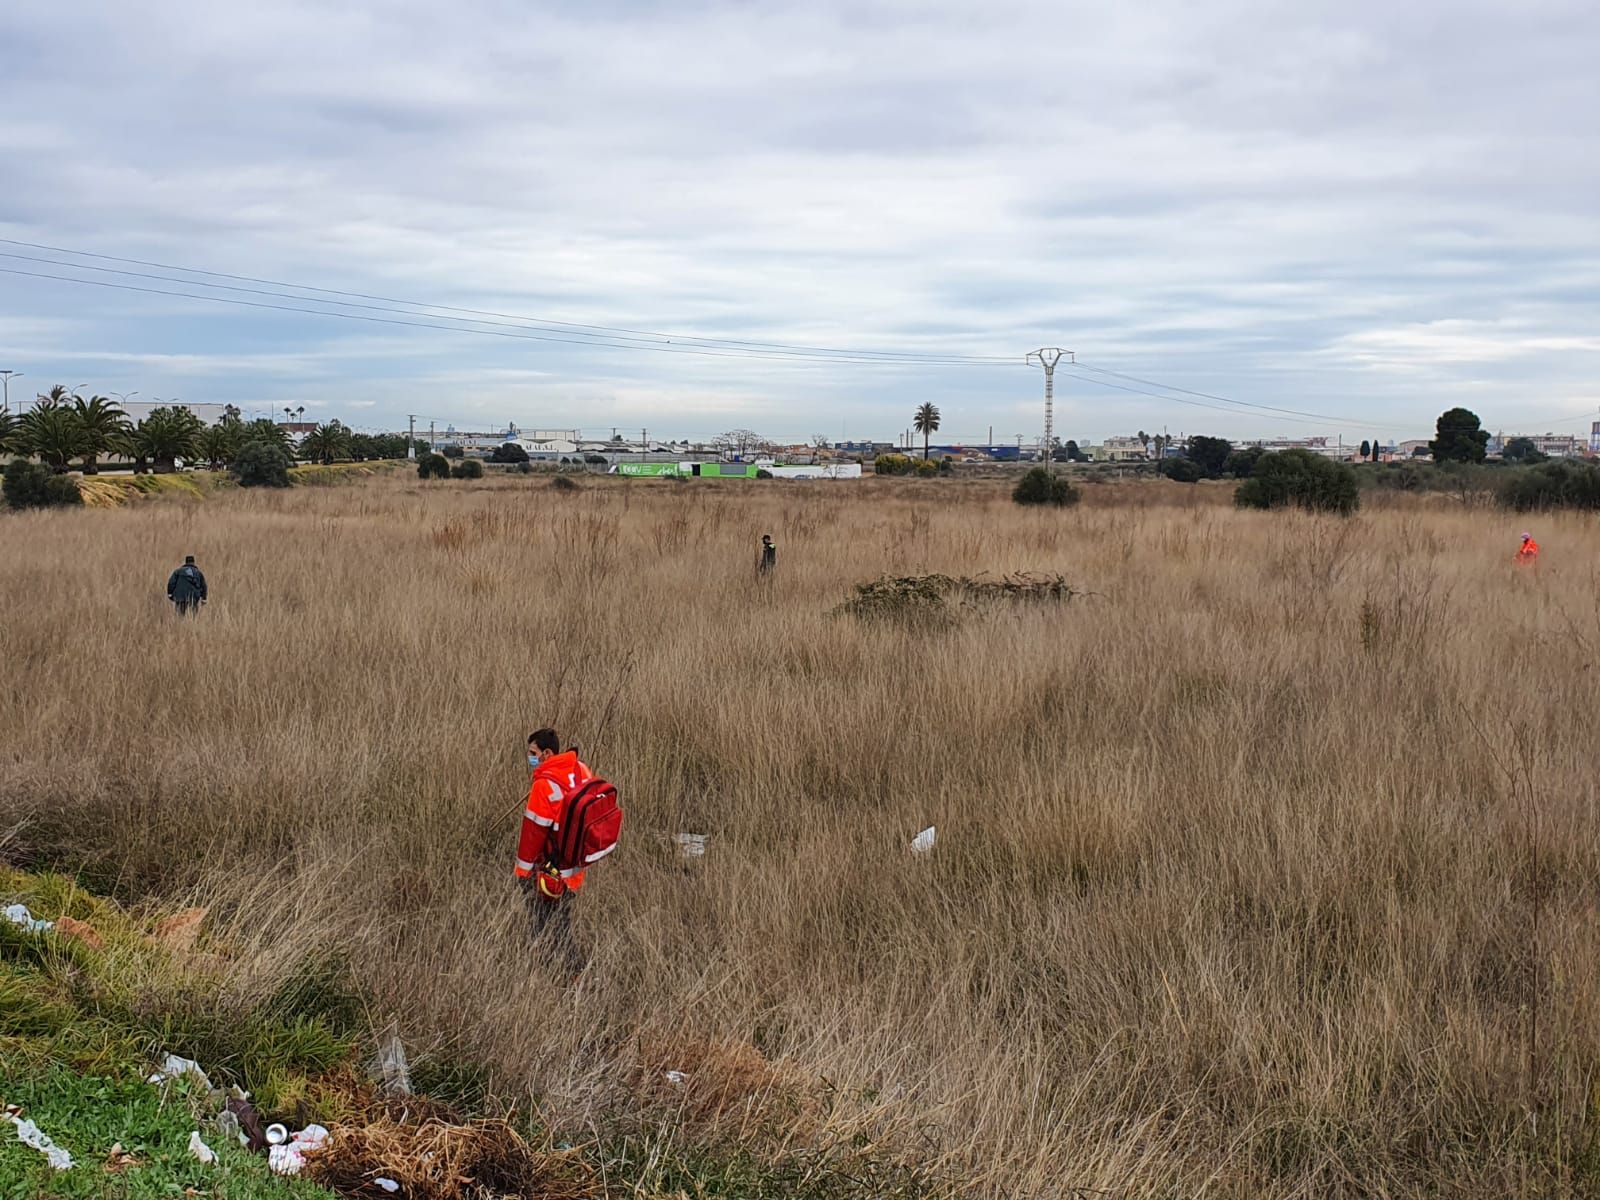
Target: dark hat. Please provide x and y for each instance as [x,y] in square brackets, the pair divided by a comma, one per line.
[188,558]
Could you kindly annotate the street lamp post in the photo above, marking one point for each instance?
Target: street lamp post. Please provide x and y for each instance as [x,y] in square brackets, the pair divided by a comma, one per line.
[7,376]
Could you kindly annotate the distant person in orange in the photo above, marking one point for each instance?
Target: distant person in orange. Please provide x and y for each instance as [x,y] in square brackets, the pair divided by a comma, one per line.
[1528,552]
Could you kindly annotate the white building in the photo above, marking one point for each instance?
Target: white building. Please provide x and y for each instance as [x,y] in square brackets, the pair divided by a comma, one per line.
[138,410]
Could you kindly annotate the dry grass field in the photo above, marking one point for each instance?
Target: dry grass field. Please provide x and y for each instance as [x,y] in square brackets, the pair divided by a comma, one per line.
[1269,869]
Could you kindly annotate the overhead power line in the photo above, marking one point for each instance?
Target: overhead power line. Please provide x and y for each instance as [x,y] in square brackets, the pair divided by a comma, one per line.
[764,356]
[1221,400]
[604,332]
[388,310]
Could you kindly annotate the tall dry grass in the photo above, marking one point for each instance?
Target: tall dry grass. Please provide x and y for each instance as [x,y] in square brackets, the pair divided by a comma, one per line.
[1271,870]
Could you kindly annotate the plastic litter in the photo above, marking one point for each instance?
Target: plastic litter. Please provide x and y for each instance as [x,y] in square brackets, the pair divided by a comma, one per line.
[277,1135]
[923,842]
[387,1185]
[285,1160]
[31,1135]
[393,1068]
[202,1152]
[228,1127]
[173,1067]
[691,845]
[24,920]
[248,1122]
[677,1077]
[289,1157]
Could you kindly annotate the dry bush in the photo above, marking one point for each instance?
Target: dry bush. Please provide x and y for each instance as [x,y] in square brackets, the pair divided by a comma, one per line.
[1269,873]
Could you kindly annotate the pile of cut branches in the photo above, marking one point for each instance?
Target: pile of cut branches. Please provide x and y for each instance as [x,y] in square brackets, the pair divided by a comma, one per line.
[934,599]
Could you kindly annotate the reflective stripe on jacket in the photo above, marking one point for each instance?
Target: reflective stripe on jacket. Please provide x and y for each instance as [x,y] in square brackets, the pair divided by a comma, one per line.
[553,780]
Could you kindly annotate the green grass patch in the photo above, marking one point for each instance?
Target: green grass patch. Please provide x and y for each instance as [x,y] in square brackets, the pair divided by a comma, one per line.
[89,1114]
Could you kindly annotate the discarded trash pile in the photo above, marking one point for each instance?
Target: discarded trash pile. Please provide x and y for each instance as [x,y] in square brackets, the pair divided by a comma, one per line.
[383,1141]
[917,598]
[437,1160]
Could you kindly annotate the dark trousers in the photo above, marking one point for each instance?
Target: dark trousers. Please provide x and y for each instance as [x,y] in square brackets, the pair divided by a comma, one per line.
[552,928]
[185,607]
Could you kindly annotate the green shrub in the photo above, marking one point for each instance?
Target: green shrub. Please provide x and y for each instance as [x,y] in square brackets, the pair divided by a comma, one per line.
[1039,486]
[61,489]
[1560,484]
[261,464]
[1182,470]
[892,464]
[509,452]
[30,485]
[433,466]
[1302,479]
[23,485]
[468,468]
[924,468]
[1241,464]
[1209,454]
[454,452]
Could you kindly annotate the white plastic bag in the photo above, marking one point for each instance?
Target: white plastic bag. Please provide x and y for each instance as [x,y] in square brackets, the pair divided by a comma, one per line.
[173,1067]
[31,1135]
[19,916]
[923,842]
[202,1152]
[691,845]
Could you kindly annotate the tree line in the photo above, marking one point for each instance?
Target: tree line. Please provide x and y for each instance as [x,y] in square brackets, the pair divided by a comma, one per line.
[62,429]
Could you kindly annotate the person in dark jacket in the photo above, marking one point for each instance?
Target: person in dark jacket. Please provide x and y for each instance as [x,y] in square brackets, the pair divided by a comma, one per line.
[186,587]
[769,555]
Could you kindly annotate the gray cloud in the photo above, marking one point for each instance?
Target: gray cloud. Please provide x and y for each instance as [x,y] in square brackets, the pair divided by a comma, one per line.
[1359,209]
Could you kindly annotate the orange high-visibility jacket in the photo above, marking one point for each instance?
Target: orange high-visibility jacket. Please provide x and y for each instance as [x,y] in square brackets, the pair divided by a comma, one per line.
[553,781]
[1528,551]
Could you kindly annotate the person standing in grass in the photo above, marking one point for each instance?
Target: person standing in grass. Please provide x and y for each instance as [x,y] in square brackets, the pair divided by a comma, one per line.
[1528,552]
[548,892]
[769,555]
[186,587]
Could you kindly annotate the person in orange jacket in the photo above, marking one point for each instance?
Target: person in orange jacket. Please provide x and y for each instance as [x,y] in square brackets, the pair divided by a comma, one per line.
[1528,552]
[557,774]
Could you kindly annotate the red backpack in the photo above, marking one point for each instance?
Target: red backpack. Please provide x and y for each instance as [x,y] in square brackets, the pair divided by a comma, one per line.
[589,826]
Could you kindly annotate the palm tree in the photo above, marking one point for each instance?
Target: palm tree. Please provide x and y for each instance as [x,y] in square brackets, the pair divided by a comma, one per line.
[263,430]
[10,437]
[53,432]
[927,420]
[59,394]
[219,443]
[102,423]
[326,443]
[165,436]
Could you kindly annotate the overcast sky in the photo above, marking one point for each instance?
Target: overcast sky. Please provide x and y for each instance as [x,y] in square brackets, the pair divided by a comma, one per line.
[1368,211]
